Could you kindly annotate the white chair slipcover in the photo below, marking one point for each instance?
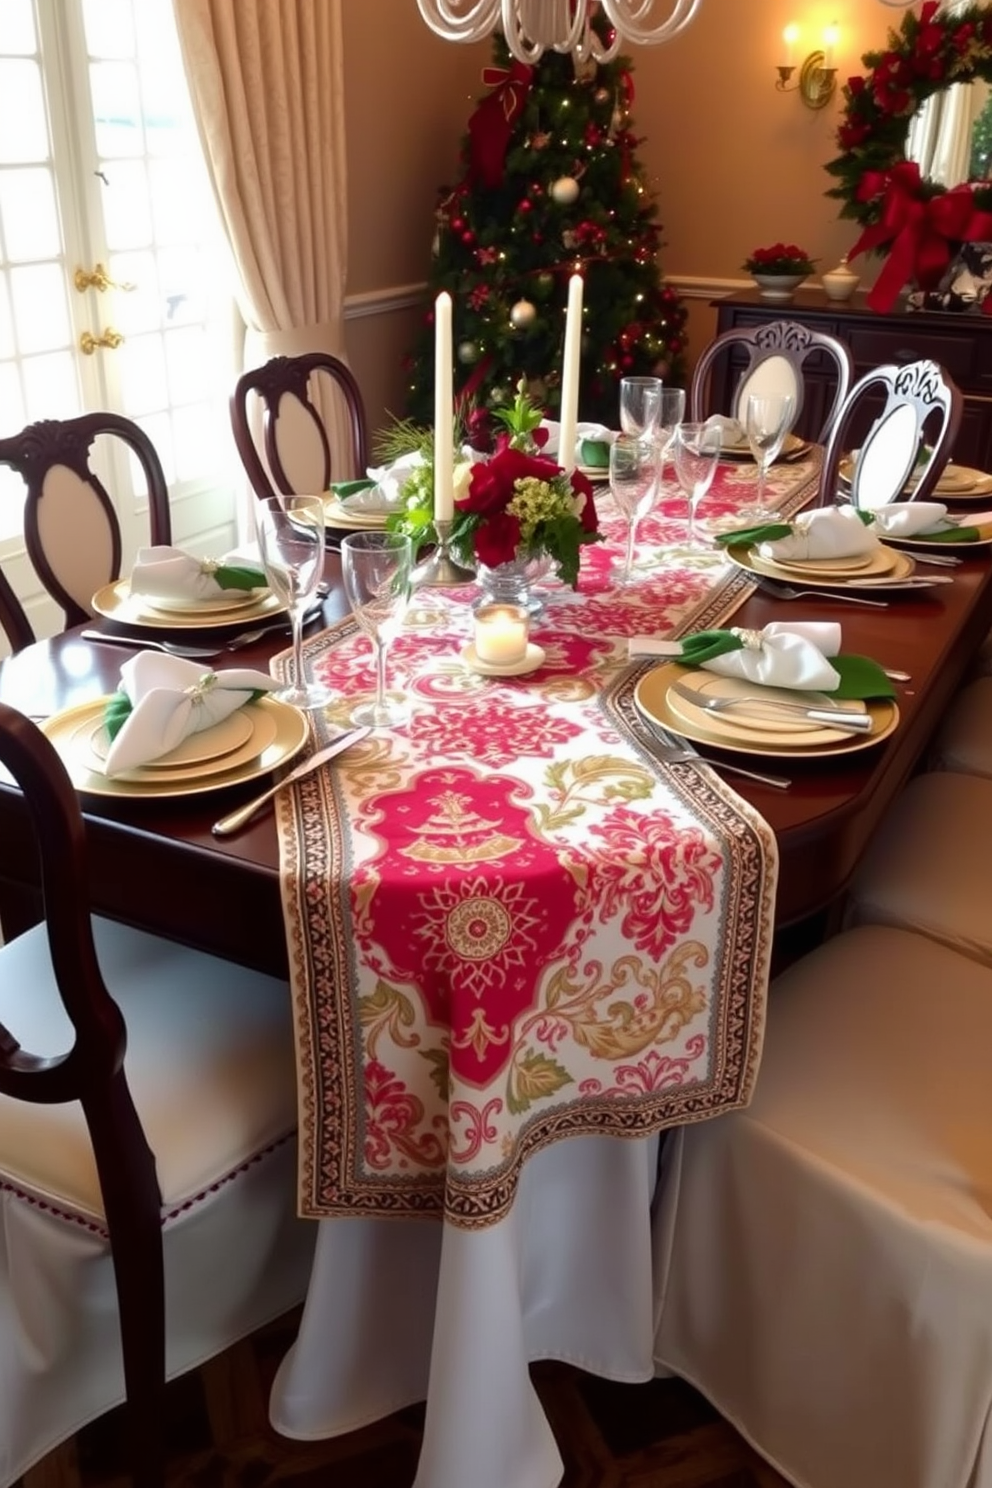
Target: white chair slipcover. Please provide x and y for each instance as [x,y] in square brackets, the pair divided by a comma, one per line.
[964,739]
[928,866]
[211,1068]
[824,1257]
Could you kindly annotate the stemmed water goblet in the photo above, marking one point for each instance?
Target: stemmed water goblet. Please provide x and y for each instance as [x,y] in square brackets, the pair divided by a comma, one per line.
[376,571]
[767,419]
[640,405]
[291,543]
[696,450]
[634,486]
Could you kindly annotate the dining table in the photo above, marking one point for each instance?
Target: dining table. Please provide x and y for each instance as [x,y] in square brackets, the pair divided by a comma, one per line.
[520,947]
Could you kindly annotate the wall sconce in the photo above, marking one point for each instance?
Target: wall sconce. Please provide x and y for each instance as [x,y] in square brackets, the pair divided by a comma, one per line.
[817,80]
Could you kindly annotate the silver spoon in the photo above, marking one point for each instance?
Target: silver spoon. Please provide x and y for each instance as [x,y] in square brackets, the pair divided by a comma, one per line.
[778,590]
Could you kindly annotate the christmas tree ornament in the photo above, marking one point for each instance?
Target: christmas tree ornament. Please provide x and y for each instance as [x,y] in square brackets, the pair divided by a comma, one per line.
[544,284]
[523,314]
[468,353]
[601,95]
[565,190]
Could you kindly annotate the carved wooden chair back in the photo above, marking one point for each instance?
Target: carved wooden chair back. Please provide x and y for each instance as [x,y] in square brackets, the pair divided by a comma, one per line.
[294,436]
[71,530]
[776,355]
[905,449]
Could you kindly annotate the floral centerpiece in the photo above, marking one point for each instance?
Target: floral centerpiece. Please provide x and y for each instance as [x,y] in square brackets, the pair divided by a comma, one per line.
[780,258]
[515,504]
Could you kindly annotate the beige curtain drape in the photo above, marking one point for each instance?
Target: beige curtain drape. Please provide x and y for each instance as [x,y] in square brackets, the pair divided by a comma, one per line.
[267,83]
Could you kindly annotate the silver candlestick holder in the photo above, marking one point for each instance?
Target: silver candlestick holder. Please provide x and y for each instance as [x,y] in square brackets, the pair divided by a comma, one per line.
[439,568]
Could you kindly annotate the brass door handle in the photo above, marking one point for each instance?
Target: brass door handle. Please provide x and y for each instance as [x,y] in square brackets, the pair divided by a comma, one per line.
[110,338]
[97,278]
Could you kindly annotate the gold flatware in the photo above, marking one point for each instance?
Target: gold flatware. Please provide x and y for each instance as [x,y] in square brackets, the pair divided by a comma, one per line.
[237,819]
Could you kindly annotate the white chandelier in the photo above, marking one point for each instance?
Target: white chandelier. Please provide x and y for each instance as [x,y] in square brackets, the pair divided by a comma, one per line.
[531,26]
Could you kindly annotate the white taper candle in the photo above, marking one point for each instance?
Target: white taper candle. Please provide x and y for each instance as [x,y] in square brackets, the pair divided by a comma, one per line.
[444,461]
[570,375]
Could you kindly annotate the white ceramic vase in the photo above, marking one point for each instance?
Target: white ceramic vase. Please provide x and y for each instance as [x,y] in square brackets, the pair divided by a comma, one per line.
[777,286]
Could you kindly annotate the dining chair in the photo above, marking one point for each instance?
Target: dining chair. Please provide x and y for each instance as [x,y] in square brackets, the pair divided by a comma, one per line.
[912,434]
[71,531]
[775,356]
[824,1257]
[147,1152]
[298,459]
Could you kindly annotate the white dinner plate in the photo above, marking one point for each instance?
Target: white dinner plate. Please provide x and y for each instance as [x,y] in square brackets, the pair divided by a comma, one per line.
[653,698]
[115,602]
[338,514]
[283,727]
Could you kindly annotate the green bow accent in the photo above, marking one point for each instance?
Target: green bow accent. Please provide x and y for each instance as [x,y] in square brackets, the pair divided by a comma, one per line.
[234,576]
[343,489]
[860,677]
[764,532]
[595,452]
[119,708]
[953,534]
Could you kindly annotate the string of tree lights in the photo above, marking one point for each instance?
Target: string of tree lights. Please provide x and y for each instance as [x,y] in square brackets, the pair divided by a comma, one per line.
[551,185]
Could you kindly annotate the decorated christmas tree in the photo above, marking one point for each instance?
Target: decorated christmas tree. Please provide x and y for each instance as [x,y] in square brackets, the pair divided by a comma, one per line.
[550,185]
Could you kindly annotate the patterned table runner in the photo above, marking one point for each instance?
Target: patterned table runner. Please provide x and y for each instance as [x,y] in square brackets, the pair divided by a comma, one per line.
[507,922]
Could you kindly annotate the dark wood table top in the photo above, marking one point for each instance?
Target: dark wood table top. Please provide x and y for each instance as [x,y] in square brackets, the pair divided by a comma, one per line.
[156,864]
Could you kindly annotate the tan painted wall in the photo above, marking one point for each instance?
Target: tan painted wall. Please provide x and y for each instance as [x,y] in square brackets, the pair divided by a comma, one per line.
[735,163]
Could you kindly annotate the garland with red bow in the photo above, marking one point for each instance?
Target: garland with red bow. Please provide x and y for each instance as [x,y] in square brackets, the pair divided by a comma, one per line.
[491,125]
[917,223]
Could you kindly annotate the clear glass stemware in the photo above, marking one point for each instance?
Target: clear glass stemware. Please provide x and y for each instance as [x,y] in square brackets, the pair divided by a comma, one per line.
[634,486]
[640,405]
[376,571]
[696,450]
[291,543]
[767,419]
[670,415]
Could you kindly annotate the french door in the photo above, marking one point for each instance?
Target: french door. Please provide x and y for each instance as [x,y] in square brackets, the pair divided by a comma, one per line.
[114,287]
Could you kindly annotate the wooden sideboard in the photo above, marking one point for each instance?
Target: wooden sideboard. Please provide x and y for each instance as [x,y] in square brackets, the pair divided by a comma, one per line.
[960,343]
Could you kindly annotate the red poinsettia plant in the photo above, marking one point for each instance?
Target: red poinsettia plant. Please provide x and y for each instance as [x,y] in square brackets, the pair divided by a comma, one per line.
[779,258]
[522,504]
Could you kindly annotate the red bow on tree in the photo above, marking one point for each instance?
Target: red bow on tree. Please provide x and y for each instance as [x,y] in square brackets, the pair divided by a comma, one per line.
[920,230]
[492,123]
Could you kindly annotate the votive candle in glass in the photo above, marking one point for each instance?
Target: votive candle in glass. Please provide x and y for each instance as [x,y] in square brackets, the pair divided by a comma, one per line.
[501,634]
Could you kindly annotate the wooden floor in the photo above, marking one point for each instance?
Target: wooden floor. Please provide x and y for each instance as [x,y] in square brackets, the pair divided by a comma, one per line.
[657,1435]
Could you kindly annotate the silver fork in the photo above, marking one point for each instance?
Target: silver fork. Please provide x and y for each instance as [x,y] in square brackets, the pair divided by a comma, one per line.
[143,643]
[673,749]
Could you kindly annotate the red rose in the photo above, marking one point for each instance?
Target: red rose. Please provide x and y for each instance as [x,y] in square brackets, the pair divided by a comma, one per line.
[496,540]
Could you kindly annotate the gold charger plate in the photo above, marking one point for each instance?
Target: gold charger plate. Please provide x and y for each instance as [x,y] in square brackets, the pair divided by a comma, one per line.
[957,482]
[752,725]
[114,602]
[880,561]
[594,472]
[203,754]
[742,555]
[236,599]
[72,730]
[919,541]
[651,696]
[739,449]
[337,514]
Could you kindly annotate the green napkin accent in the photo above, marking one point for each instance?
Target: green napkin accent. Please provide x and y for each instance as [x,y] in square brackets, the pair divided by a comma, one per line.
[234,576]
[343,489]
[764,532]
[953,534]
[595,452]
[119,708]
[860,677]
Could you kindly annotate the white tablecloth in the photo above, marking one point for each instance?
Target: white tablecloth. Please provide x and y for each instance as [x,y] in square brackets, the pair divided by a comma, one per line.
[399,1310]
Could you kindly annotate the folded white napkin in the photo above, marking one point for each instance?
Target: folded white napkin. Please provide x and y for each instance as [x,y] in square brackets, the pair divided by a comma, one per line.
[831,532]
[171,573]
[906,518]
[731,429]
[172,698]
[787,653]
[597,433]
[386,495]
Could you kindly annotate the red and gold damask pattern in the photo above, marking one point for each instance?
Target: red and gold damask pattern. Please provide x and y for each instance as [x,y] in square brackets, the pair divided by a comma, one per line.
[507,923]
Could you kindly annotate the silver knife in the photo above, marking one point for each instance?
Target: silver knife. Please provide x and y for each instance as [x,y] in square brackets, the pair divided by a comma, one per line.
[858,723]
[236,819]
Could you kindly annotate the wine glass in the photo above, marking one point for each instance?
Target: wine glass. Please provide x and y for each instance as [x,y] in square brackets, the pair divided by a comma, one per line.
[640,404]
[291,542]
[696,449]
[670,415]
[767,420]
[376,570]
[634,485]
